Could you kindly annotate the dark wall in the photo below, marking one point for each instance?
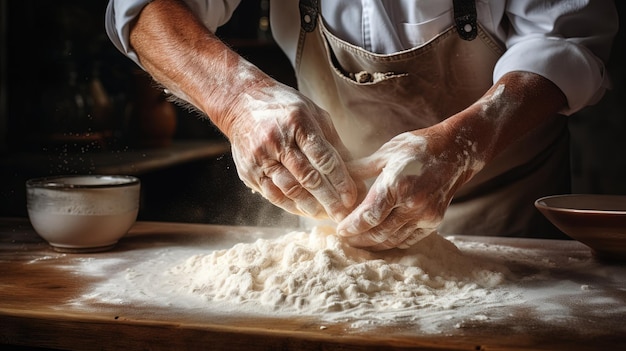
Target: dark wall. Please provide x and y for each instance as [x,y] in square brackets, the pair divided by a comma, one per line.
[598,132]
[57,46]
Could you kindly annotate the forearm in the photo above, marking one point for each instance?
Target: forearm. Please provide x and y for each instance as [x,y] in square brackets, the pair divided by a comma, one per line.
[515,105]
[190,61]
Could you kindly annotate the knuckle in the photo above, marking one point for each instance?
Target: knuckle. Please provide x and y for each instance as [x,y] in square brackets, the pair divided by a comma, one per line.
[311,179]
[371,218]
[326,163]
[310,208]
[397,237]
[293,192]
[377,236]
[266,188]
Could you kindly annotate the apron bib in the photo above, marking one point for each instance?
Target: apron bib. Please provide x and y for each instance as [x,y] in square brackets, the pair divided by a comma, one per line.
[374,97]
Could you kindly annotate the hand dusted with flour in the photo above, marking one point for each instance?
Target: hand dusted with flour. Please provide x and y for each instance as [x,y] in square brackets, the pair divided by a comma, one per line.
[284,146]
[409,197]
[418,172]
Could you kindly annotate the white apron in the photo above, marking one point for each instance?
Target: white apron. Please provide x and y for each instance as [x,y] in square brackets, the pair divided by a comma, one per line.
[421,87]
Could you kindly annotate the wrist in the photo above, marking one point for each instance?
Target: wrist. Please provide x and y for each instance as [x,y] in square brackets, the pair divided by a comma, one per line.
[461,147]
[250,96]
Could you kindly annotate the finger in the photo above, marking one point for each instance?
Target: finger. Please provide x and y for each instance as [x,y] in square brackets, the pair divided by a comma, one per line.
[326,160]
[416,235]
[246,173]
[351,191]
[256,179]
[290,188]
[394,239]
[374,209]
[364,168]
[274,195]
[404,237]
[388,234]
[315,183]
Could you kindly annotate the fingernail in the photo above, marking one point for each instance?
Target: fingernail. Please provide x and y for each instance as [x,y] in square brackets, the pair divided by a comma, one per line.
[338,217]
[343,214]
[347,200]
[345,233]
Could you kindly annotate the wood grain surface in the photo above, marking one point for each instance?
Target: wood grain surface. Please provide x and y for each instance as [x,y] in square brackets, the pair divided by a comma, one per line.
[38,288]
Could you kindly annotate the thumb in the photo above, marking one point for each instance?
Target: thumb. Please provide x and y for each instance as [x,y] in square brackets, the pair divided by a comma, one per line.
[365,168]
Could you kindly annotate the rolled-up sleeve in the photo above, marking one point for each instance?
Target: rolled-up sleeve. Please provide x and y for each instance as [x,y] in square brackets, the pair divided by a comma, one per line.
[121,13]
[567,43]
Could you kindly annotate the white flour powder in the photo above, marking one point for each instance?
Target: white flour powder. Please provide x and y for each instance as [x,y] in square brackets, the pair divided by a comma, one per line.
[316,274]
[442,285]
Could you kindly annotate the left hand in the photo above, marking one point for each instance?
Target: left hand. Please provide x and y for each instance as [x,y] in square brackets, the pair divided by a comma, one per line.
[418,173]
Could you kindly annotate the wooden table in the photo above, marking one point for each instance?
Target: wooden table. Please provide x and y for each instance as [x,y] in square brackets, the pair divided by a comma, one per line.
[39,288]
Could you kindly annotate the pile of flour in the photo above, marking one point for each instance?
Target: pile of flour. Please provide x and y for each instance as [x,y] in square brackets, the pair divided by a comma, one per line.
[314,273]
[440,286]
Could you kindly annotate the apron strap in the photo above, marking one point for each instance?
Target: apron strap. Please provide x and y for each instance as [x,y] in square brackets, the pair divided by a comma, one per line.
[465,19]
[308,14]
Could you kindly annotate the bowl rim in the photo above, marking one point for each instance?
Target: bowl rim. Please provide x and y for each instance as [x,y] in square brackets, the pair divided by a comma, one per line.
[540,204]
[53,182]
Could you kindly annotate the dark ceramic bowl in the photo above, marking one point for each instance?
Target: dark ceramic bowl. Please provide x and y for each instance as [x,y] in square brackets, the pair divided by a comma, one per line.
[598,221]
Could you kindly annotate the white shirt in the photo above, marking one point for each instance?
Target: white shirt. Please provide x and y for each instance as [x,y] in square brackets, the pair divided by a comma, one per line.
[565,41]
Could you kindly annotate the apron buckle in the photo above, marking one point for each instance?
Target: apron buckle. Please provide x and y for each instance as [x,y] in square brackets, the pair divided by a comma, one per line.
[308,14]
[465,19]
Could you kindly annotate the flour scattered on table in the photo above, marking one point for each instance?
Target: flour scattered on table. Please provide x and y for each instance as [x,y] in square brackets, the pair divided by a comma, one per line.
[442,285]
[317,274]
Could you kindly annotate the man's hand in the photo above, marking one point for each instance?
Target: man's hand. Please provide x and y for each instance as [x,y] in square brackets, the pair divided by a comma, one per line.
[417,175]
[286,148]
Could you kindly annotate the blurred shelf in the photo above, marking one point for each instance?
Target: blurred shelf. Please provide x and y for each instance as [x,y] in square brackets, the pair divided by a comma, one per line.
[125,161]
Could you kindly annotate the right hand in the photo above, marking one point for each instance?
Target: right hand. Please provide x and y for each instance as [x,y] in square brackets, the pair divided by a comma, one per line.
[286,148]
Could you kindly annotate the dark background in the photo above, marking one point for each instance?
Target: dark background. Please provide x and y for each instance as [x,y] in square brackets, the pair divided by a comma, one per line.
[47,45]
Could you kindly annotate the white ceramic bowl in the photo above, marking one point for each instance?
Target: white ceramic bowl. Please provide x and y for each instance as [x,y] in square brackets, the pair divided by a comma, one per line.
[82,213]
[598,221]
